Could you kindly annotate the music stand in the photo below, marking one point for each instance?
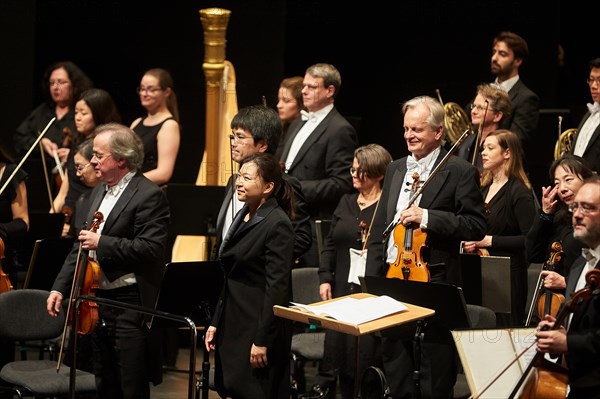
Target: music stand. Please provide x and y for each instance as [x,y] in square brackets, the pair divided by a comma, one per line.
[194,210]
[41,225]
[447,301]
[486,281]
[47,259]
[191,289]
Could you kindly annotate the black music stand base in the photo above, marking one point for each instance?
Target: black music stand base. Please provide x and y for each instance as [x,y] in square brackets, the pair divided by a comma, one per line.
[418,340]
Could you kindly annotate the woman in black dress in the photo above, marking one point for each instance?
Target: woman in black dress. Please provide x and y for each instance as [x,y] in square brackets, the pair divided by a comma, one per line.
[510,209]
[553,223]
[350,227]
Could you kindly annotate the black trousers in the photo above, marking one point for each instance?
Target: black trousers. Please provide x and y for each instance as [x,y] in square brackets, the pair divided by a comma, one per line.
[119,345]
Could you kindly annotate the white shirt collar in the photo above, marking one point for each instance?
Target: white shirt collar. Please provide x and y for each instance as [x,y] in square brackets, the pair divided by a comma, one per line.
[508,83]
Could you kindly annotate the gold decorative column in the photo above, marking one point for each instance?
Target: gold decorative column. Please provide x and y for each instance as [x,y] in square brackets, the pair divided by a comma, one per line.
[217,72]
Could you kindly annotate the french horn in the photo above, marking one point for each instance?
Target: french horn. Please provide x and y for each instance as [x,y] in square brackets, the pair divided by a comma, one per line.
[456,122]
[564,144]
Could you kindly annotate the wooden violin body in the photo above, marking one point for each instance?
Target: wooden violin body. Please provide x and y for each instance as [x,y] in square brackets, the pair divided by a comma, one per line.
[545,300]
[5,284]
[409,264]
[86,280]
[549,380]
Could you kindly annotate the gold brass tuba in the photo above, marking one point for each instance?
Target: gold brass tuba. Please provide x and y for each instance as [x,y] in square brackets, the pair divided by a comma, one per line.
[456,120]
[564,144]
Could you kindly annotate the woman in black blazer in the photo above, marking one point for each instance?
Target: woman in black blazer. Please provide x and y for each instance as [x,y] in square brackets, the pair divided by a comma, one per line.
[252,346]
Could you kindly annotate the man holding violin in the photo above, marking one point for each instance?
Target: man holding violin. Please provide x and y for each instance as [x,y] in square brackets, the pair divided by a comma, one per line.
[580,339]
[129,247]
[449,210]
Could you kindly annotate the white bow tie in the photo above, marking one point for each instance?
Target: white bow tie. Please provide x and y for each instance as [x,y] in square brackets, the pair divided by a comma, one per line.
[412,164]
[593,108]
[114,190]
[308,116]
[589,256]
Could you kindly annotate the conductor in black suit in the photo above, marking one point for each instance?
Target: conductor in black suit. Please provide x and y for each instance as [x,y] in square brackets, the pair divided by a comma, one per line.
[449,210]
[129,247]
[318,148]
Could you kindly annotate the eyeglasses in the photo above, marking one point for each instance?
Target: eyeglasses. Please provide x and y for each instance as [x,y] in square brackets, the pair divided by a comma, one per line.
[101,157]
[237,138]
[585,209]
[58,83]
[354,170]
[477,107]
[148,90]
[81,168]
[591,81]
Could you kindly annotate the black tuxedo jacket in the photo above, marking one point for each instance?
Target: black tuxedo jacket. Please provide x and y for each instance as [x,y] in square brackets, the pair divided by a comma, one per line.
[592,151]
[301,222]
[583,337]
[456,214]
[133,238]
[322,165]
[523,120]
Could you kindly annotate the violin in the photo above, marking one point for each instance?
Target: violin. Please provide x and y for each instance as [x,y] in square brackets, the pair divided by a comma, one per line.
[547,301]
[86,281]
[5,284]
[543,379]
[409,264]
[549,380]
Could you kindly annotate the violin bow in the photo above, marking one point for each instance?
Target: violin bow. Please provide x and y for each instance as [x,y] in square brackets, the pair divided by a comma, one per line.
[435,171]
[41,135]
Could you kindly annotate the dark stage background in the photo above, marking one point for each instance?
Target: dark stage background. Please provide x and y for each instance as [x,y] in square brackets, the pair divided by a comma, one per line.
[385,57]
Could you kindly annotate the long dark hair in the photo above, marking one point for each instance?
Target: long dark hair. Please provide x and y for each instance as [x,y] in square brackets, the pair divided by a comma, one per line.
[269,170]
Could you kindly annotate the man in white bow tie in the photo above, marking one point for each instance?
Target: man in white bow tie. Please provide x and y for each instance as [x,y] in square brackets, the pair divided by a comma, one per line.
[449,210]
[318,148]
[580,340]
[587,140]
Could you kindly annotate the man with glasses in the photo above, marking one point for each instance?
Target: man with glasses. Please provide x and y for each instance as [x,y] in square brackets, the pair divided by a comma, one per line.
[579,338]
[318,148]
[257,129]
[587,140]
[129,247]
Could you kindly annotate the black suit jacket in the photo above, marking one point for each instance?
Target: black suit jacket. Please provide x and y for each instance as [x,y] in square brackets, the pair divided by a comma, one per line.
[456,213]
[256,258]
[592,151]
[583,337]
[301,222]
[323,162]
[133,238]
[525,115]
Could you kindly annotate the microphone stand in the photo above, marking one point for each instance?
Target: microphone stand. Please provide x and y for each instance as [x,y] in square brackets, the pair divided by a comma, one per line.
[27,155]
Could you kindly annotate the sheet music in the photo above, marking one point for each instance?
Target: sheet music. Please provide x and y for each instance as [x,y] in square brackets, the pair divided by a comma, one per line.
[485,353]
[355,311]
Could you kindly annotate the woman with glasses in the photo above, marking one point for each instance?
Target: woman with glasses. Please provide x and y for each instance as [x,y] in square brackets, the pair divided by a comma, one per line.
[553,223]
[510,211]
[95,107]
[159,129]
[350,227]
[62,84]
